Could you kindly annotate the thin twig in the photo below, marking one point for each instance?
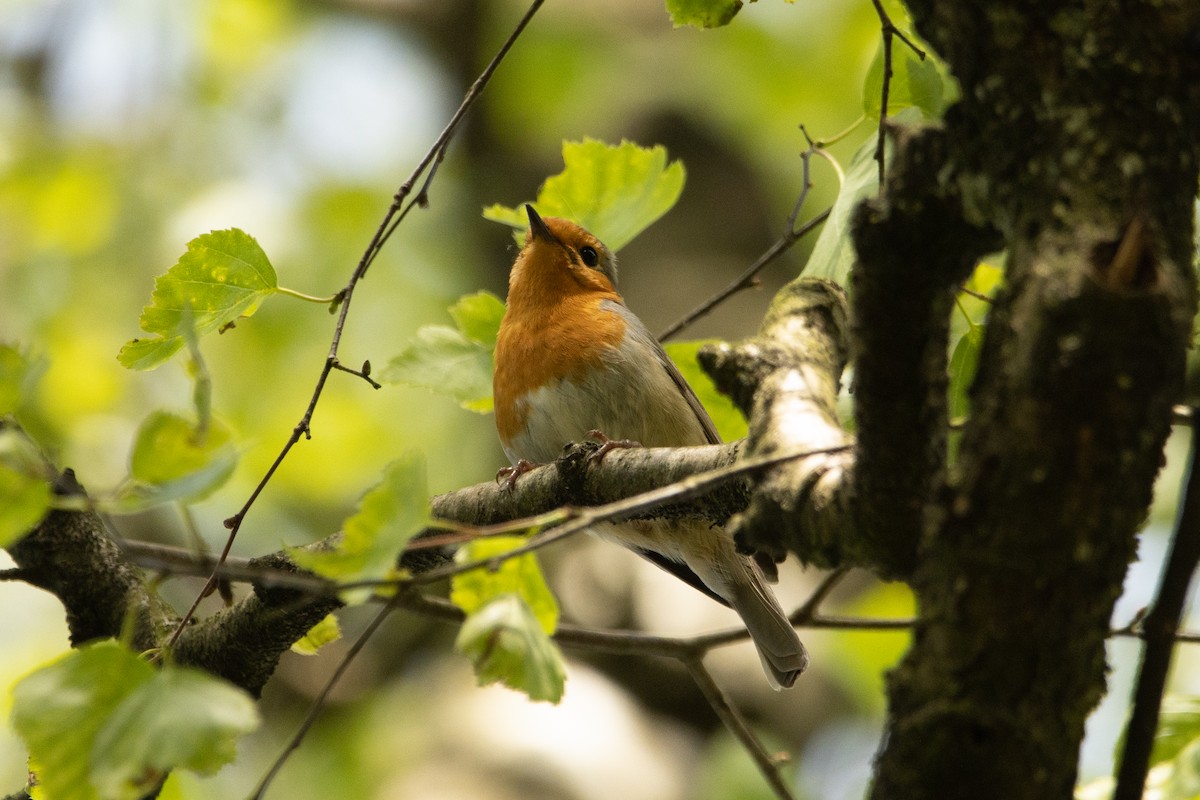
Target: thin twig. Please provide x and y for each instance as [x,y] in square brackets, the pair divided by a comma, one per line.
[739,727]
[386,226]
[747,279]
[363,373]
[319,703]
[889,30]
[1159,629]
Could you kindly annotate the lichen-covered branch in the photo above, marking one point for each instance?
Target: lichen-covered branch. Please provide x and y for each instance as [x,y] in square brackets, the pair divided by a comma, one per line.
[786,381]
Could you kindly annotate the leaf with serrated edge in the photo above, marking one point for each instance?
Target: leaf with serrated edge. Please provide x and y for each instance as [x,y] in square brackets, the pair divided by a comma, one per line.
[390,514]
[60,709]
[181,717]
[520,575]
[615,191]
[506,644]
[443,360]
[478,317]
[224,275]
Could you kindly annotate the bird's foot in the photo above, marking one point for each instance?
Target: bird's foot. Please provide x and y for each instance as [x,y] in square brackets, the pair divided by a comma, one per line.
[607,445]
[510,474]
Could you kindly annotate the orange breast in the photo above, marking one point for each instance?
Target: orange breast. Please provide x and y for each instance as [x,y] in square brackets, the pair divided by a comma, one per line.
[549,333]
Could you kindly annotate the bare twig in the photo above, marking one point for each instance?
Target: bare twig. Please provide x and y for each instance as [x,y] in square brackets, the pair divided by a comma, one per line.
[303,428]
[747,279]
[889,30]
[767,764]
[319,703]
[1159,629]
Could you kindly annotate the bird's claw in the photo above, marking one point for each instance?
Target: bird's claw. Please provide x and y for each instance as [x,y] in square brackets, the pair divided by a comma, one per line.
[607,445]
[510,474]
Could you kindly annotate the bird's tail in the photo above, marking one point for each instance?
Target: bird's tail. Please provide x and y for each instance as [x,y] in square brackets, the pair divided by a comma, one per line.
[779,648]
[740,582]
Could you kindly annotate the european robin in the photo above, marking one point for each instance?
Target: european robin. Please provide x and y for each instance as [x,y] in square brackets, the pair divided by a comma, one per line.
[572,359]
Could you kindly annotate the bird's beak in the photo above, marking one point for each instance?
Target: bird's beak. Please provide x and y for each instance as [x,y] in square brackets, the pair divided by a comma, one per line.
[537,228]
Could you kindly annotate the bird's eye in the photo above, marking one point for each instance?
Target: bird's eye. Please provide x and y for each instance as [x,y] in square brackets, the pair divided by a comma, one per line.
[589,255]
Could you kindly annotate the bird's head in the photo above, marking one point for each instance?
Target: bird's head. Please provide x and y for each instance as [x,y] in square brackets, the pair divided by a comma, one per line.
[559,253]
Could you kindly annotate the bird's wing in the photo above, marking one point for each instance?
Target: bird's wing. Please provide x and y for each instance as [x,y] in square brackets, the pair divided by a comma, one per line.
[637,329]
[681,571]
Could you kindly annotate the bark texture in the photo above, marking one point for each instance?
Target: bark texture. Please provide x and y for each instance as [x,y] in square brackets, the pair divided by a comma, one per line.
[1087,166]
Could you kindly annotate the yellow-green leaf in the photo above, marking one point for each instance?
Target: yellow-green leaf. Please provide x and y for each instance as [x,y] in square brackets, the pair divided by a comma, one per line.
[324,632]
[25,492]
[443,360]
[60,709]
[521,575]
[615,191]
[172,459]
[389,515]
[478,317]
[506,644]
[729,421]
[702,13]
[181,717]
[223,275]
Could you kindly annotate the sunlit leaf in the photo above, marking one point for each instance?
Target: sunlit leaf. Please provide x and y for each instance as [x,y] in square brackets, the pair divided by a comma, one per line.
[729,421]
[181,717]
[177,460]
[25,492]
[521,575]
[615,191]
[478,317]
[224,275]
[60,709]
[1178,726]
[1184,780]
[702,13]
[507,644]
[445,361]
[963,363]
[324,632]
[388,516]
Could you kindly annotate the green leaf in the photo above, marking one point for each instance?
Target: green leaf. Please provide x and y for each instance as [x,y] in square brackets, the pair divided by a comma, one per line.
[729,421]
[1178,726]
[702,13]
[521,576]
[478,317]
[615,191]
[173,459]
[963,363]
[506,644]
[25,491]
[389,515]
[445,361]
[324,632]
[833,254]
[1184,780]
[181,717]
[915,82]
[223,275]
[60,709]
[18,374]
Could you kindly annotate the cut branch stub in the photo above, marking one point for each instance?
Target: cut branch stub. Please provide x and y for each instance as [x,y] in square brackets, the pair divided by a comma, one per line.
[785,380]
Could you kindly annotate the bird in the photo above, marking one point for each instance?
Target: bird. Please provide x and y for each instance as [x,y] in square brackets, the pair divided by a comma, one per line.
[572,360]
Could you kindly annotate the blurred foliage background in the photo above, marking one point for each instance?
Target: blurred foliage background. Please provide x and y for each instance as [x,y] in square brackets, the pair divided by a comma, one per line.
[128,127]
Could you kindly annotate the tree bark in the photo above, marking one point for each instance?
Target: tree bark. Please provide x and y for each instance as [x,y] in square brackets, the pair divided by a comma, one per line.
[1087,165]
